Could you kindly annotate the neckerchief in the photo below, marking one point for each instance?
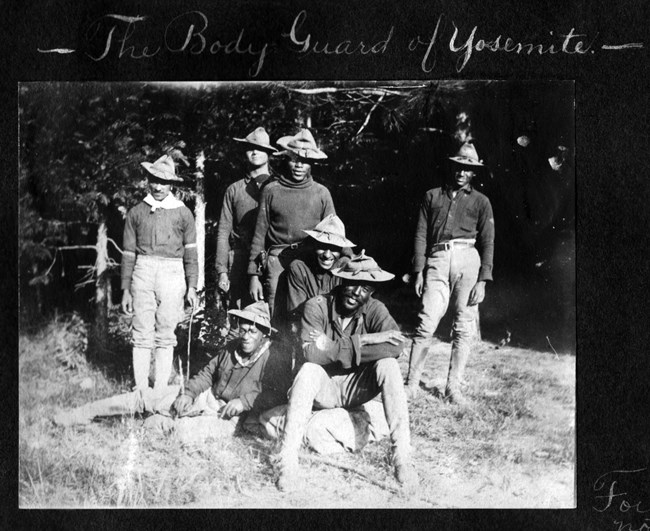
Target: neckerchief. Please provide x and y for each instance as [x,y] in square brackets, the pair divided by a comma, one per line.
[247,362]
[168,203]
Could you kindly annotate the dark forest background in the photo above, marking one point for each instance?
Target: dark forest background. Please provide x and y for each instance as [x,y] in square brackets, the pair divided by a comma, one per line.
[81,145]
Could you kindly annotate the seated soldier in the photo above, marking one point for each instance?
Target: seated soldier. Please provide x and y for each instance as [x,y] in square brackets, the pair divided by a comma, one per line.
[248,375]
[350,344]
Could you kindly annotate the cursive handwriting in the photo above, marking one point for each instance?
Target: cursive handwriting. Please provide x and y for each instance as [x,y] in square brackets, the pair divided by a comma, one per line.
[570,43]
[619,502]
[187,33]
[344,47]
[191,34]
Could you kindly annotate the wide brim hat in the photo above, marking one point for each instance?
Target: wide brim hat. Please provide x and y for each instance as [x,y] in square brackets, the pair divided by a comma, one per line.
[163,169]
[257,313]
[330,231]
[259,138]
[362,268]
[301,144]
[467,156]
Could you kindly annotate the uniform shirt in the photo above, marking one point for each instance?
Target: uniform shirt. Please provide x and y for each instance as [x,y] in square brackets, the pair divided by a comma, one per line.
[286,209]
[443,217]
[340,351]
[168,233]
[261,385]
[306,280]
[237,218]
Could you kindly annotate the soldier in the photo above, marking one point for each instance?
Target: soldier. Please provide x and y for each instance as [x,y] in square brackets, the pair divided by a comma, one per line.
[159,267]
[449,270]
[248,375]
[288,207]
[237,219]
[350,344]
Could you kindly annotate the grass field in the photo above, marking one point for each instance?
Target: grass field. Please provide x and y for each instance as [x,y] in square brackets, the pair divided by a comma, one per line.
[513,447]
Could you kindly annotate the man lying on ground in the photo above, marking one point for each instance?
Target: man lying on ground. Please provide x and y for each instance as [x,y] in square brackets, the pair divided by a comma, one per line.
[248,375]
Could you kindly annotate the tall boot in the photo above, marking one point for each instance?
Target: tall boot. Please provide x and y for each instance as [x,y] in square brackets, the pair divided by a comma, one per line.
[164,358]
[393,397]
[301,400]
[417,360]
[457,364]
[141,363]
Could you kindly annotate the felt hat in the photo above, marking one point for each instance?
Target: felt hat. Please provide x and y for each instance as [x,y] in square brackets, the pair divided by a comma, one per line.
[301,144]
[362,268]
[467,156]
[257,313]
[331,231]
[258,138]
[163,169]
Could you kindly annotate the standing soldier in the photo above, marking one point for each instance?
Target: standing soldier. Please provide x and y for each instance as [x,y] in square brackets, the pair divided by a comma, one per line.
[237,219]
[449,269]
[289,206]
[159,266]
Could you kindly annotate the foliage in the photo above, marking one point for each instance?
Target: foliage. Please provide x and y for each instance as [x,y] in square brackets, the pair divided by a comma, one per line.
[81,145]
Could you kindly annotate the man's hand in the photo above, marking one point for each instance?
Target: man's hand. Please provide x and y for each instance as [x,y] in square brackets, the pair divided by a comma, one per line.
[192,298]
[477,294]
[419,283]
[255,288]
[181,405]
[232,409]
[224,282]
[127,302]
[394,337]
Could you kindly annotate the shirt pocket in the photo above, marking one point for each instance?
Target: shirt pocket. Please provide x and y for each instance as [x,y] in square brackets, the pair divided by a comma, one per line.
[469,220]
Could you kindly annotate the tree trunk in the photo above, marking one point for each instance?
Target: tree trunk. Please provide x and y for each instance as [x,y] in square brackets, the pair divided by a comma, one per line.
[199,216]
[101,291]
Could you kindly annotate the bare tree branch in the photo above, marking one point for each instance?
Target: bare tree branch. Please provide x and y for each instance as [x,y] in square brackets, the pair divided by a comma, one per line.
[365,122]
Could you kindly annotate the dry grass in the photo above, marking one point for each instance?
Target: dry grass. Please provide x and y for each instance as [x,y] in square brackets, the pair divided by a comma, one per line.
[514,447]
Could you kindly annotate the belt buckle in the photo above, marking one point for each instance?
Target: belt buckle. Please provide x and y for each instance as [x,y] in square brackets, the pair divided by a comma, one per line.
[447,246]
[293,246]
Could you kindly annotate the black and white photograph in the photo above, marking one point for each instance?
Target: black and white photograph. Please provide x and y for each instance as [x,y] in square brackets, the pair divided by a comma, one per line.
[297,294]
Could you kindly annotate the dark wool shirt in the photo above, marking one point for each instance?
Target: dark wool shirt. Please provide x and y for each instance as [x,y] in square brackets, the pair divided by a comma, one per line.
[168,233]
[342,352]
[285,212]
[260,386]
[237,219]
[443,218]
[306,280]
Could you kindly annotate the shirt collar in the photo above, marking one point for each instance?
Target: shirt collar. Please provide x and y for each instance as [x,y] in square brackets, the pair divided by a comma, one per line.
[170,202]
[468,189]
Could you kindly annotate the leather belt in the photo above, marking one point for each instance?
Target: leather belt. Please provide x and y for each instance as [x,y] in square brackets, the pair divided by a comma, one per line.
[275,250]
[449,245]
